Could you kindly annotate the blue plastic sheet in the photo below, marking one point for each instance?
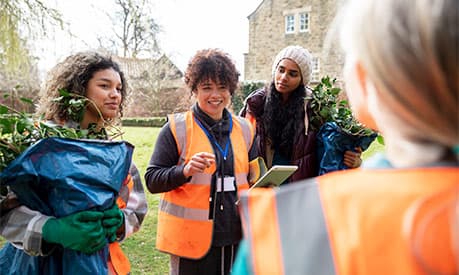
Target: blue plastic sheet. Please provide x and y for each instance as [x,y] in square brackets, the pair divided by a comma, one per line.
[58,177]
[332,142]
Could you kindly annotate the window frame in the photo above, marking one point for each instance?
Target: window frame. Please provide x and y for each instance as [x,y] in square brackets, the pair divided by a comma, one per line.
[315,74]
[292,20]
[302,23]
[289,23]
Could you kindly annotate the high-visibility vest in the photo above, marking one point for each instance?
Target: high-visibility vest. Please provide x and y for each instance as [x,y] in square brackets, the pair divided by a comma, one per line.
[118,259]
[356,222]
[184,226]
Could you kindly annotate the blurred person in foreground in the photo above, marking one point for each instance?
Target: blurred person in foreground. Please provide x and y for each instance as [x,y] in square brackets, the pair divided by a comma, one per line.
[200,162]
[400,213]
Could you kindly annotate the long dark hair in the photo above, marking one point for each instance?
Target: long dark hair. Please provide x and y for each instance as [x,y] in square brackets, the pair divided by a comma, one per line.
[283,121]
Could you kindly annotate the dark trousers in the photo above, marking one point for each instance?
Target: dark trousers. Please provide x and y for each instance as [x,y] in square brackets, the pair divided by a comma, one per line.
[218,261]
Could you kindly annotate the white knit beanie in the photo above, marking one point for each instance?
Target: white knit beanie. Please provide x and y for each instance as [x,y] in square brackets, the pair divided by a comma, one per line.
[300,56]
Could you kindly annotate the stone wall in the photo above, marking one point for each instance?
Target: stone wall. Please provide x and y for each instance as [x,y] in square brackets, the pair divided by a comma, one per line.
[267,36]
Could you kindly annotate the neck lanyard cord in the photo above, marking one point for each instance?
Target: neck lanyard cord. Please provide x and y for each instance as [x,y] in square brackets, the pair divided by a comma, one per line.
[214,141]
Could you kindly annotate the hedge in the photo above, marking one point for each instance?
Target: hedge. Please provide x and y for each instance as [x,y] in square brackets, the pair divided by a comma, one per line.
[144,121]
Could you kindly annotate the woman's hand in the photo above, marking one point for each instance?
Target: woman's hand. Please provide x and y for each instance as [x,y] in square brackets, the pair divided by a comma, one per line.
[352,159]
[198,163]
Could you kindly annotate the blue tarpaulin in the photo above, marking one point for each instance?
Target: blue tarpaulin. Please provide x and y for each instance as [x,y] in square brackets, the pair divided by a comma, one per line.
[58,177]
[332,142]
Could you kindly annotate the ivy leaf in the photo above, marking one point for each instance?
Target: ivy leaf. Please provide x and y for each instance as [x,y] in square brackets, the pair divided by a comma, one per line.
[64,93]
[26,100]
[380,139]
[3,110]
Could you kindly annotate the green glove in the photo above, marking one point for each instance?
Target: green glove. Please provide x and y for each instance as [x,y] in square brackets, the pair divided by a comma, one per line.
[113,219]
[81,231]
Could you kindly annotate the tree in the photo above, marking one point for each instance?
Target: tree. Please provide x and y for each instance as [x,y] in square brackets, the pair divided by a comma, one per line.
[135,30]
[20,19]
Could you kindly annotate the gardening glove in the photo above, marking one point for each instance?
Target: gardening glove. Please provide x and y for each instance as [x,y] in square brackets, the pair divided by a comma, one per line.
[81,231]
[112,220]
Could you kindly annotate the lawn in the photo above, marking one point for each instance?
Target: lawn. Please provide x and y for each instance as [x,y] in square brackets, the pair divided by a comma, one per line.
[140,247]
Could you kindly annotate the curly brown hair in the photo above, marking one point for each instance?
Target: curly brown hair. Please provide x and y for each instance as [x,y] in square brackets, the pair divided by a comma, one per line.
[211,64]
[73,75]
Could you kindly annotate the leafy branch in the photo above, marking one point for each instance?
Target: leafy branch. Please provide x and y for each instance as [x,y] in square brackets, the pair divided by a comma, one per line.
[327,106]
[18,130]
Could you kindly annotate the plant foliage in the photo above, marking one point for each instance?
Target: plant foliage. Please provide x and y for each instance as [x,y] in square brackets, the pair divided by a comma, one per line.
[327,106]
[18,130]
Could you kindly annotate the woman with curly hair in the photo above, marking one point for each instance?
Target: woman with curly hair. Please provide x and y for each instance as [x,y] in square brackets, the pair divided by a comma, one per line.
[200,162]
[99,79]
[75,75]
[280,116]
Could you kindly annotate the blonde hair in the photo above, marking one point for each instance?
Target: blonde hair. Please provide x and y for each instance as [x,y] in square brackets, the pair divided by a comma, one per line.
[409,50]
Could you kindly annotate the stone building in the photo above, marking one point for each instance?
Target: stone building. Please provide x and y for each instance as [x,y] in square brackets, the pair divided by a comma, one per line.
[276,24]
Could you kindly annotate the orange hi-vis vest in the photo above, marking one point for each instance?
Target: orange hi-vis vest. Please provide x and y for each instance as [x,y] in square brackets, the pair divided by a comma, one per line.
[400,221]
[184,226]
[119,261]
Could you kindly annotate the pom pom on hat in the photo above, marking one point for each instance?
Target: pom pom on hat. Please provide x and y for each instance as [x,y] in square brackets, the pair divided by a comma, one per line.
[300,56]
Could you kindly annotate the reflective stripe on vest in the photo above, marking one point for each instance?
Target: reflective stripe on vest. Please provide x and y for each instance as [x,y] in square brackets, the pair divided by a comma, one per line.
[276,221]
[184,227]
[356,222]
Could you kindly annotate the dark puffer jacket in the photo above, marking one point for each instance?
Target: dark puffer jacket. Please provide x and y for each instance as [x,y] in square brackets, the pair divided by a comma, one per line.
[304,150]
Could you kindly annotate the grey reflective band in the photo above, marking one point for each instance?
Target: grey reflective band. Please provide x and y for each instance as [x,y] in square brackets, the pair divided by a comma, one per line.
[201,178]
[183,212]
[245,131]
[304,236]
[180,130]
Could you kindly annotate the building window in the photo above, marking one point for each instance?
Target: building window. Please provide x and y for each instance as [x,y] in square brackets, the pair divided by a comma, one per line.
[315,77]
[304,21]
[289,24]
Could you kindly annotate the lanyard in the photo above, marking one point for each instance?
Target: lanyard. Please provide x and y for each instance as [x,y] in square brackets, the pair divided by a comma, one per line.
[213,140]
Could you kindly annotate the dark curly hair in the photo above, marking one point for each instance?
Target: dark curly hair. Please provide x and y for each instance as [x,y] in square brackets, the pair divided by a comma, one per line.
[282,120]
[211,64]
[73,75]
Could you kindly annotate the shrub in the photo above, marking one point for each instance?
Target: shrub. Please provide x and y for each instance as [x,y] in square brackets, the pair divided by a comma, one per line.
[144,121]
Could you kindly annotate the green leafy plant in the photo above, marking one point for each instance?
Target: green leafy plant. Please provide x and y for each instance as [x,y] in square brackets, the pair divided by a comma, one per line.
[327,106]
[18,130]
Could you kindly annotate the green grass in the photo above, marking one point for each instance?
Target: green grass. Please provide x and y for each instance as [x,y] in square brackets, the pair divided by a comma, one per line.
[140,247]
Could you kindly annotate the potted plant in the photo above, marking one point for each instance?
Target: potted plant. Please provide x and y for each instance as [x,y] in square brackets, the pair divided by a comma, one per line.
[337,129]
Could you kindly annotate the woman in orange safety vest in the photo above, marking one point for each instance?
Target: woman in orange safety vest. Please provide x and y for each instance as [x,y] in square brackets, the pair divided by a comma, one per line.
[200,162]
[399,213]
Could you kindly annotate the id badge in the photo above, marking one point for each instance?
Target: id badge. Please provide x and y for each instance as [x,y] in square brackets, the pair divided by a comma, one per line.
[228,184]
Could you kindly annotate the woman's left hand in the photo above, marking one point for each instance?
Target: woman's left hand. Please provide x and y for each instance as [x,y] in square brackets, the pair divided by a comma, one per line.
[352,159]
